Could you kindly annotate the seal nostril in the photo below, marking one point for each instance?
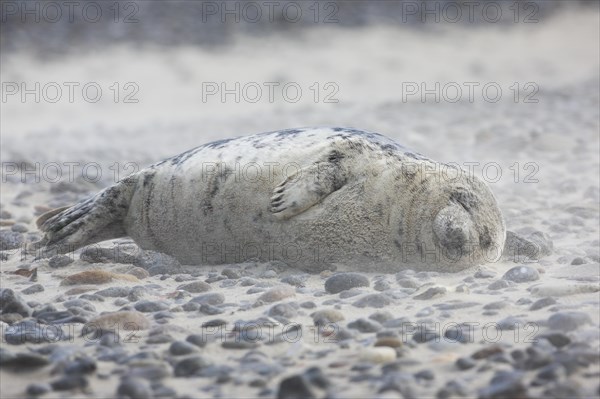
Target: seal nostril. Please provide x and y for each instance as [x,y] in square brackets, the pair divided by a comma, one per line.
[485,239]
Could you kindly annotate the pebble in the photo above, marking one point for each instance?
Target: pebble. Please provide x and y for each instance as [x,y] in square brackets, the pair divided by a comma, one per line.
[495,305]
[365,325]
[487,352]
[389,341]
[297,280]
[425,333]
[10,239]
[157,263]
[58,261]
[578,261]
[195,287]
[308,305]
[504,384]
[124,320]
[432,292]
[295,387]
[465,363]
[210,309]
[344,281]
[190,307]
[146,306]
[231,273]
[326,316]
[95,277]
[283,310]
[382,285]
[136,293]
[114,292]
[242,344]
[427,375]
[11,302]
[350,293]
[556,338]
[484,273]
[276,294]
[522,274]
[179,348]
[191,366]
[213,298]
[568,321]
[34,289]
[117,254]
[38,388]
[379,354]
[542,303]
[498,285]
[381,316]
[373,300]
[22,361]
[214,323]
[197,339]
[69,382]
[134,388]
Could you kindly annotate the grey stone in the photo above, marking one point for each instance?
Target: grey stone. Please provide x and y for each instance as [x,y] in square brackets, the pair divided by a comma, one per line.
[69,382]
[283,310]
[578,261]
[365,325]
[134,388]
[373,300]
[498,285]
[568,321]
[213,298]
[117,254]
[10,239]
[504,384]
[58,261]
[542,303]
[146,306]
[522,274]
[345,281]
[38,388]
[465,363]
[195,287]
[295,387]
[114,292]
[179,348]
[431,293]
[34,289]
[11,302]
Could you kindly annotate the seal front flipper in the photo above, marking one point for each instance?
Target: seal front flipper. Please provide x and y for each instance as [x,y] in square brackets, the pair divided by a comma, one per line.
[92,220]
[307,187]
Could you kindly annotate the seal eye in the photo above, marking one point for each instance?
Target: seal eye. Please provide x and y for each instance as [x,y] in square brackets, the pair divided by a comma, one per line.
[464,198]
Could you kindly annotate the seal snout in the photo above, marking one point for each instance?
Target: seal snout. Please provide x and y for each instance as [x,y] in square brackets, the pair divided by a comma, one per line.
[454,230]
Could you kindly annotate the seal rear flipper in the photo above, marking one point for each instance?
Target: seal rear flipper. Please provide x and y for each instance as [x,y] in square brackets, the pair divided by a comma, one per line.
[92,220]
[307,187]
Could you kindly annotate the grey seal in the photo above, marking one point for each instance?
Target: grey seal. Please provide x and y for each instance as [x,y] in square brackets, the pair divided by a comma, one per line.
[310,197]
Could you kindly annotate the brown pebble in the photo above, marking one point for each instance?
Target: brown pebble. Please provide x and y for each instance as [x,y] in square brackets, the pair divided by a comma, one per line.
[6,223]
[96,277]
[392,342]
[79,290]
[487,352]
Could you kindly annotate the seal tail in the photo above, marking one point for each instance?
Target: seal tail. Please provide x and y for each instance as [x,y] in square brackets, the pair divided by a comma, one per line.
[92,220]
